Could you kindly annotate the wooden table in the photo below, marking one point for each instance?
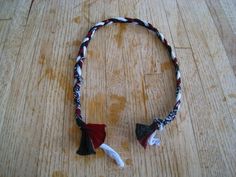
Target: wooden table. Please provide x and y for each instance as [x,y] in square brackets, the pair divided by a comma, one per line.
[128,79]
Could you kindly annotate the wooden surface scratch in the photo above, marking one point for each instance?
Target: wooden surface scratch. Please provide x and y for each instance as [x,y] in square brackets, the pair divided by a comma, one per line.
[128,79]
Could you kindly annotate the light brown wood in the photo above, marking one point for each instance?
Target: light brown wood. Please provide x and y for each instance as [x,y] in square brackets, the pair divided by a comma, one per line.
[128,79]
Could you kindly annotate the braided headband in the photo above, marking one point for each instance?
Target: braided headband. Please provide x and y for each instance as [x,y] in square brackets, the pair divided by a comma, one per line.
[93,135]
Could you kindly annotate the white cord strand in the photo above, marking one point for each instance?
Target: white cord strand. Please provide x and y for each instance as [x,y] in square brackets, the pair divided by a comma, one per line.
[152,140]
[113,154]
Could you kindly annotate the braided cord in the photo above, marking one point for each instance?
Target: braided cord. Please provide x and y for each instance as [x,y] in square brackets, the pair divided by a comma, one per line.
[78,79]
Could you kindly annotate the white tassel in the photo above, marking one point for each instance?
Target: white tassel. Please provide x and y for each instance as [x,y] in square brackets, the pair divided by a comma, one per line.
[154,141]
[113,154]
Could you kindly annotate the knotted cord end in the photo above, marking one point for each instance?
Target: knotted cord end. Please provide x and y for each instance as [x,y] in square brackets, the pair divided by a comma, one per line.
[93,135]
[146,133]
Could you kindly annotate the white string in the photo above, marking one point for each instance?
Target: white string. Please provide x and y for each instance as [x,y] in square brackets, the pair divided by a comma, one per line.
[152,140]
[113,154]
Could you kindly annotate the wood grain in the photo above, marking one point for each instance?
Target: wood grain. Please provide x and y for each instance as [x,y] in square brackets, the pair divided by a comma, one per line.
[128,79]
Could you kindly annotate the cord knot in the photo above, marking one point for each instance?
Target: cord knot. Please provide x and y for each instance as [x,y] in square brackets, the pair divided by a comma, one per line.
[146,133]
[93,135]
